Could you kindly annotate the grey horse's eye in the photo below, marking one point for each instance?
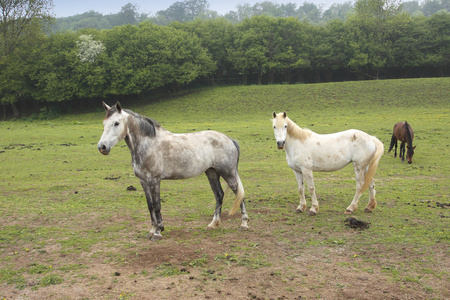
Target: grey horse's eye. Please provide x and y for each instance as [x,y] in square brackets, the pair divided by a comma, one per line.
[116,124]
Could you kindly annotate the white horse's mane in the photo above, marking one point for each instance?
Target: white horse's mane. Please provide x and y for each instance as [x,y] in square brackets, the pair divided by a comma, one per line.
[296,131]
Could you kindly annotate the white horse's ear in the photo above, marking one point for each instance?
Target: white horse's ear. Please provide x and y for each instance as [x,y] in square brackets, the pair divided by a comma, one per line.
[274,115]
[118,107]
[284,115]
[106,106]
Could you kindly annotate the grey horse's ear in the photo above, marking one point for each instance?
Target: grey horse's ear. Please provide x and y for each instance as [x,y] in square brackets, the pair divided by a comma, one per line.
[106,106]
[284,115]
[274,115]
[118,107]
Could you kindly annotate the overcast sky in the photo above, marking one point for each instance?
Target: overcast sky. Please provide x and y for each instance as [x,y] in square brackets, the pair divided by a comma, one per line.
[66,8]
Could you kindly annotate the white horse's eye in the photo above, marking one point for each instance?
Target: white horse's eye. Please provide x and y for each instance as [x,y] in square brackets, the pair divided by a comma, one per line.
[274,127]
[285,126]
[116,124]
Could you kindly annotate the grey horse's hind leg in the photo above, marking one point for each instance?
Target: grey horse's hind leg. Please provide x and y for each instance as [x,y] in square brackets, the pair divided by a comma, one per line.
[214,181]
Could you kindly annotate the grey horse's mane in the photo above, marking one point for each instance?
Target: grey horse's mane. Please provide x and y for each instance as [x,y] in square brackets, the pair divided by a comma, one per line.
[147,126]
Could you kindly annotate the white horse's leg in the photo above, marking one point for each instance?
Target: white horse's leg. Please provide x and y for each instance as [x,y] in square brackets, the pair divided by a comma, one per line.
[372,202]
[308,175]
[301,188]
[244,217]
[359,175]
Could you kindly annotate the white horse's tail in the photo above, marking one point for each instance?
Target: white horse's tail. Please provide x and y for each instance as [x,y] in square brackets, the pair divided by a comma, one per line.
[240,194]
[373,164]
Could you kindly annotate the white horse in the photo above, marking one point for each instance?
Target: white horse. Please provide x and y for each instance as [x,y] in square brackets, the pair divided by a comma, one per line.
[158,154]
[307,151]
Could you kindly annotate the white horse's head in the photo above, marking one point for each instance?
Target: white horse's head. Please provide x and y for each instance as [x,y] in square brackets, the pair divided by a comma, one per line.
[280,128]
[114,128]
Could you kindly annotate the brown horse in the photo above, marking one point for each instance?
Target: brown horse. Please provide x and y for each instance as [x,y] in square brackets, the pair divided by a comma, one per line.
[404,133]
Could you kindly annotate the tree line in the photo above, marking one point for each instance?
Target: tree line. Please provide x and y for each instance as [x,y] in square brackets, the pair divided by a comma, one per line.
[58,70]
[189,10]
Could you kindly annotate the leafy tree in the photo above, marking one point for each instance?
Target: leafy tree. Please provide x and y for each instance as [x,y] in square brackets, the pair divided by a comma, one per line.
[337,11]
[71,67]
[376,25]
[53,73]
[129,14]
[265,45]
[22,23]
[430,7]
[438,55]
[216,36]
[329,49]
[147,57]
[90,19]
[185,11]
[309,12]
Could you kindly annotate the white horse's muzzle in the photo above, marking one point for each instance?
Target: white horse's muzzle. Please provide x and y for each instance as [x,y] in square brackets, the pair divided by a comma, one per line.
[280,144]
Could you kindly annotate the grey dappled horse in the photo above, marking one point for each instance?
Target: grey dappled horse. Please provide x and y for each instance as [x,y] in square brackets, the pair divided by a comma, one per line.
[158,154]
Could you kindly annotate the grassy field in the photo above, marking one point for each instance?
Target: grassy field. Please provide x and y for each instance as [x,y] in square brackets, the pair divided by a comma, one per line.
[70,229]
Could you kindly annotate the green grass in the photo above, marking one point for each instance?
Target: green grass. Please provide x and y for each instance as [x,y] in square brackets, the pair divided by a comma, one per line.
[55,192]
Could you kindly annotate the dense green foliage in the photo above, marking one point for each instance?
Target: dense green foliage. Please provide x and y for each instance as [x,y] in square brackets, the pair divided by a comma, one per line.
[379,40]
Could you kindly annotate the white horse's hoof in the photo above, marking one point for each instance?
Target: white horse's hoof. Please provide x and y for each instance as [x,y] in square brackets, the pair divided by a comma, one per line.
[348,212]
[367,210]
[312,213]
[243,228]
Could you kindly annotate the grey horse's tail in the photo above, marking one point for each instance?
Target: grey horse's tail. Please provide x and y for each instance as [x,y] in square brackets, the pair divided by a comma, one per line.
[240,194]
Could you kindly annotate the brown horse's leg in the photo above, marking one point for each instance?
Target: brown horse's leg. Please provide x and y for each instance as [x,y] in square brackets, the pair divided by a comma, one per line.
[402,151]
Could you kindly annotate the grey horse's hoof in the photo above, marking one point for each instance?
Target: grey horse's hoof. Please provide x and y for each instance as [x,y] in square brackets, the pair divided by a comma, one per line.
[156,237]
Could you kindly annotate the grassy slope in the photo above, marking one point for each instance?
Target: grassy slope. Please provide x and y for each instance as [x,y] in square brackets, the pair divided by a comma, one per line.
[53,187]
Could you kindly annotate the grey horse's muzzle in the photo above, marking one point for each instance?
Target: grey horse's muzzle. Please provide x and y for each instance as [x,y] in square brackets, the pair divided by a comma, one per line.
[103,149]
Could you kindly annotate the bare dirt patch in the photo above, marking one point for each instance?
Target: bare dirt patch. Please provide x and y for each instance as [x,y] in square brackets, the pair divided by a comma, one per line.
[194,263]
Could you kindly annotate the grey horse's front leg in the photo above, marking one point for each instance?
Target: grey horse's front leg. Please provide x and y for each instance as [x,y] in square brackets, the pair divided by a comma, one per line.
[155,190]
[154,207]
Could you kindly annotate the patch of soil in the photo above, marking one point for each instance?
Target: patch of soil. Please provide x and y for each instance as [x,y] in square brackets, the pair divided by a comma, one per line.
[232,268]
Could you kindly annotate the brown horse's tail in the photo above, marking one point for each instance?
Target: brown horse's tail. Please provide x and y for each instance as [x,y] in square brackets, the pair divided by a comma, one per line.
[373,164]
[393,140]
